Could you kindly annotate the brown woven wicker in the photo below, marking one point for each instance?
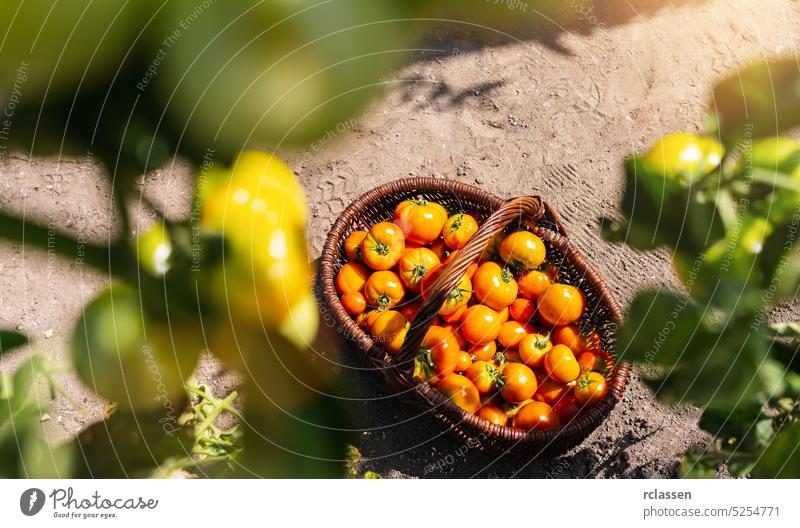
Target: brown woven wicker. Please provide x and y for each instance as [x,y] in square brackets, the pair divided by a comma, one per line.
[494,214]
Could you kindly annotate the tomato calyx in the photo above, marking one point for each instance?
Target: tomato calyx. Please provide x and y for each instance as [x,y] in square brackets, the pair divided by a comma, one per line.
[419,271]
[424,367]
[499,358]
[381,248]
[586,380]
[384,301]
[506,275]
[456,225]
[457,294]
[541,342]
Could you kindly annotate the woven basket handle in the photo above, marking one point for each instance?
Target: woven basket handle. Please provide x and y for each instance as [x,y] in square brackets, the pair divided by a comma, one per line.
[523,208]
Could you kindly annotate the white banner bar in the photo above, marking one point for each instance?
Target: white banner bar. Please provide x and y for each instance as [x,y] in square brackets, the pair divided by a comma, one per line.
[389,503]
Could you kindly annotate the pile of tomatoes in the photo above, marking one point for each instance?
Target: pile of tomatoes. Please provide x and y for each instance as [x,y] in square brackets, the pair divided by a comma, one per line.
[509,343]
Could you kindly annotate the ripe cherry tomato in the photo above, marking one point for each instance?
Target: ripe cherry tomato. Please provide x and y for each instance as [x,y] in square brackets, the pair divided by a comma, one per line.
[590,389]
[519,382]
[484,352]
[455,329]
[533,348]
[494,286]
[383,246]
[464,362]
[578,340]
[561,365]
[483,375]
[455,316]
[590,360]
[460,390]
[480,324]
[522,250]
[414,265]
[444,351]
[459,296]
[521,310]
[549,390]
[533,283]
[354,303]
[384,289]
[561,304]
[503,315]
[458,229]
[389,330]
[567,409]
[441,250]
[371,316]
[420,221]
[352,245]
[493,414]
[512,332]
[537,416]
[352,278]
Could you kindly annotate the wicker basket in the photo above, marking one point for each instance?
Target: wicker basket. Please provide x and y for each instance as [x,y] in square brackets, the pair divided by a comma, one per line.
[493,214]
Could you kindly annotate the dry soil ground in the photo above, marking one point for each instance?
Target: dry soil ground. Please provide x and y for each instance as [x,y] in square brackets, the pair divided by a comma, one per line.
[551,115]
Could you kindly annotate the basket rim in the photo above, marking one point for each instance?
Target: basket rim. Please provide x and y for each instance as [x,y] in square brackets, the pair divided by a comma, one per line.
[432,398]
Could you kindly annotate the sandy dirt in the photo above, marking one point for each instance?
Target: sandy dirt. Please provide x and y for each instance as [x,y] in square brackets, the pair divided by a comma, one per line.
[552,115]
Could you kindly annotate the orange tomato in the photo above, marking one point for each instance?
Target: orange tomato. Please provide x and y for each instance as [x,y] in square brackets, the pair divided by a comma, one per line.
[409,311]
[503,315]
[420,221]
[567,409]
[537,416]
[459,296]
[533,348]
[480,324]
[361,320]
[493,414]
[352,278]
[383,246]
[494,286]
[560,304]
[414,265]
[577,339]
[455,329]
[561,365]
[483,375]
[512,332]
[458,229]
[521,310]
[519,382]
[369,318]
[464,362]
[460,390]
[352,244]
[354,303]
[484,352]
[522,250]
[455,316]
[389,330]
[548,390]
[532,284]
[443,347]
[384,289]
[590,360]
[441,250]
[590,389]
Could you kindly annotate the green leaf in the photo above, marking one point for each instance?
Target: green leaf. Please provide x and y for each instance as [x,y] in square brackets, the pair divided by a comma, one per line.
[695,464]
[745,427]
[781,458]
[699,361]
[10,339]
[661,212]
[759,100]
